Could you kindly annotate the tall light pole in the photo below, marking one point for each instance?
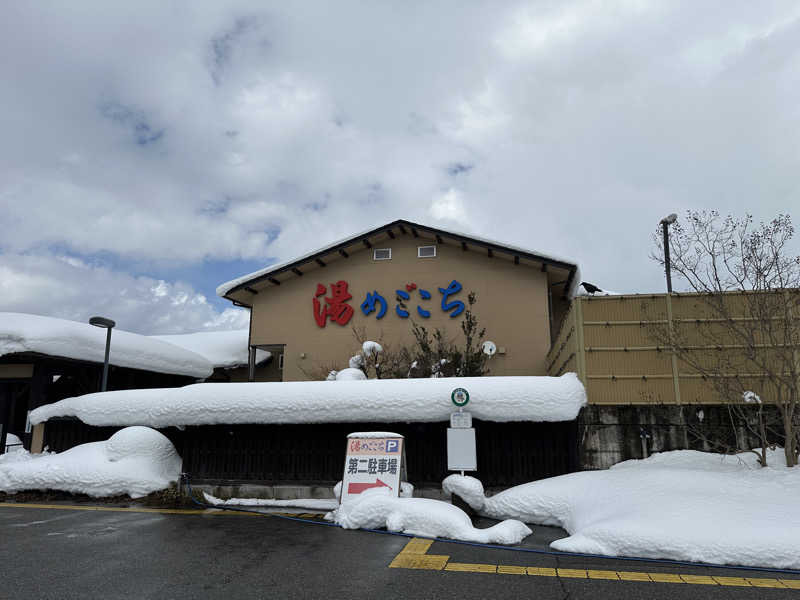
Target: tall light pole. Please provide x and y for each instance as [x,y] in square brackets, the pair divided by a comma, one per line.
[108,325]
[665,223]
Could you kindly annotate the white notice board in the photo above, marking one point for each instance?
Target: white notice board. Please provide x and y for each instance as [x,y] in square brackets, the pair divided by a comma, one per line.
[461,454]
[372,462]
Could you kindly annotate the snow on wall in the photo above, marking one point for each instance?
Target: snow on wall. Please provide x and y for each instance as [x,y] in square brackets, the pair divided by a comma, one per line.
[682,505]
[225,349]
[134,461]
[372,400]
[21,332]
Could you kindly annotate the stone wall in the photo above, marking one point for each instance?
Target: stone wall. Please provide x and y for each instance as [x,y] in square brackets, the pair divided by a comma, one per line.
[610,434]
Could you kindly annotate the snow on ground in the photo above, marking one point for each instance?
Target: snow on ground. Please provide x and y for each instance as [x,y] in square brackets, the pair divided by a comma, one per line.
[372,400]
[377,508]
[306,503]
[58,337]
[225,349]
[683,505]
[134,461]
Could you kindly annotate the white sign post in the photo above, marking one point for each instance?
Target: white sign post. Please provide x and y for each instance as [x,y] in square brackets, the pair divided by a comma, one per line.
[372,460]
[461,451]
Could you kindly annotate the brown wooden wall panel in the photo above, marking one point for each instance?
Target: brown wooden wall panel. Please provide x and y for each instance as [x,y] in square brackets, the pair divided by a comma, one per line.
[619,362]
[630,391]
[616,335]
[624,308]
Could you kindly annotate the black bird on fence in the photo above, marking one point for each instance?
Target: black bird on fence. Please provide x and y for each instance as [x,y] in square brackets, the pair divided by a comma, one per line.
[590,288]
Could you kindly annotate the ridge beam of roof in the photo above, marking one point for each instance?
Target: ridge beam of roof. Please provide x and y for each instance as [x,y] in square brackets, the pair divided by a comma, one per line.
[402,229]
[343,253]
[251,290]
[297,271]
[321,263]
[273,280]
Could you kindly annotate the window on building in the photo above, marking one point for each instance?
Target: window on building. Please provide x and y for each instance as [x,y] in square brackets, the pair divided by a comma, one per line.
[426,251]
[382,254]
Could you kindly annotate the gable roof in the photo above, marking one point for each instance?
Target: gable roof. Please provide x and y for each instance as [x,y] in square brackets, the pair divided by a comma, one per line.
[269,273]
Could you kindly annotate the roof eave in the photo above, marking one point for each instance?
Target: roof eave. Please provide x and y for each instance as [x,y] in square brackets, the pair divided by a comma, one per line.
[570,267]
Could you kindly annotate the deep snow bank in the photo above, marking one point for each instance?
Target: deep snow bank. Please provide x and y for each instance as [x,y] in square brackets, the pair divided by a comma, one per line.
[422,516]
[21,332]
[373,400]
[134,461]
[682,505]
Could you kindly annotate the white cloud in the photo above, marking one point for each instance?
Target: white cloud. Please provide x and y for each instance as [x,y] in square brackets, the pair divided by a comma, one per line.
[449,206]
[259,130]
[59,287]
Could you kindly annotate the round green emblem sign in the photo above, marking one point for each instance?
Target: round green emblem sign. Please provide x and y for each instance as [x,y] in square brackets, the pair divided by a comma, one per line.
[460,397]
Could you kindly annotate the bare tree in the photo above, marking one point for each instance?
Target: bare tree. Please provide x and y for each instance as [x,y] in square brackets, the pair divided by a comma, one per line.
[743,331]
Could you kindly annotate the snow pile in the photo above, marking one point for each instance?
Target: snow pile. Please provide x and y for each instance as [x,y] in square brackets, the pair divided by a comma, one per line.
[15,451]
[683,505]
[373,400]
[306,503]
[80,341]
[406,490]
[350,374]
[134,461]
[226,349]
[377,508]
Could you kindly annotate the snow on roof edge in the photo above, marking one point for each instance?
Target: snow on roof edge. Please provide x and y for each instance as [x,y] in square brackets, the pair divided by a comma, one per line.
[501,399]
[226,287]
[24,332]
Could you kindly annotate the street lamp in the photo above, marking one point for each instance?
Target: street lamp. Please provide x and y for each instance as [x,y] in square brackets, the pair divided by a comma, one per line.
[665,223]
[107,324]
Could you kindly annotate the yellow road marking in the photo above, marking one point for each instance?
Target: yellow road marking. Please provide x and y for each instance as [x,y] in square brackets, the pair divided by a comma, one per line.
[415,556]
[630,576]
[573,573]
[699,579]
[771,583]
[470,567]
[542,571]
[737,581]
[512,570]
[602,574]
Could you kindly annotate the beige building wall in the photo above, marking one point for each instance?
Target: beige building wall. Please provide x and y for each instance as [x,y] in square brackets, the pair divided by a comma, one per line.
[512,305]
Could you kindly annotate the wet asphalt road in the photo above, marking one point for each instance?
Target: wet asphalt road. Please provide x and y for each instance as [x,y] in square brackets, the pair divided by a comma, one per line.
[61,554]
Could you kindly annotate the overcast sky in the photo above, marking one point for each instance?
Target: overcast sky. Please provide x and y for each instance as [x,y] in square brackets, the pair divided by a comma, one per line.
[151,151]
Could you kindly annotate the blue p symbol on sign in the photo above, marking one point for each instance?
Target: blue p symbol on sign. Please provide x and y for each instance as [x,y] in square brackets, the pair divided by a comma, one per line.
[392,445]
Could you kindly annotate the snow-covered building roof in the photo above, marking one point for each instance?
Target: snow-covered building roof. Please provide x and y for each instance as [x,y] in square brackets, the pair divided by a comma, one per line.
[225,349]
[269,273]
[498,399]
[20,332]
